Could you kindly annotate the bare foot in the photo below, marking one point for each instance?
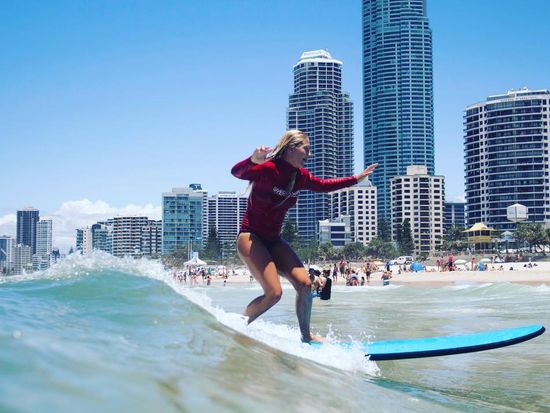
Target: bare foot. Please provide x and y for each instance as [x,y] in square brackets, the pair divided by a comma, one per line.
[316,339]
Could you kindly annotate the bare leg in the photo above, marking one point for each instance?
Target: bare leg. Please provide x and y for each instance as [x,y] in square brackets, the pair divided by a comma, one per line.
[260,263]
[290,265]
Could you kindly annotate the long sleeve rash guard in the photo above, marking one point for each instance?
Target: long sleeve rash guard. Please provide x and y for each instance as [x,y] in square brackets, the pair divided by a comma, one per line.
[269,200]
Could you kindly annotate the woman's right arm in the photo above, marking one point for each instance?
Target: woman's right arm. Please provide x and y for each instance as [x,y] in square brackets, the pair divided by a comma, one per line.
[245,169]
[250,168]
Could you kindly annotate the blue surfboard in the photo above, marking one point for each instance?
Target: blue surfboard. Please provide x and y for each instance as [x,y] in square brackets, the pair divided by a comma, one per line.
[446,345]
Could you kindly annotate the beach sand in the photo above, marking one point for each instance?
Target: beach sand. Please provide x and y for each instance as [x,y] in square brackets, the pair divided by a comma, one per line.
[539,274]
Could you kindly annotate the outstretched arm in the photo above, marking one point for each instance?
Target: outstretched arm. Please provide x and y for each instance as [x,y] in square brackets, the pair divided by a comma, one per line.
[327,185]
[366,172]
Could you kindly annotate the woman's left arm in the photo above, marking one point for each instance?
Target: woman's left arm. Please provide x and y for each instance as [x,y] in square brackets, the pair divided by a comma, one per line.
[366,172]
[328,185]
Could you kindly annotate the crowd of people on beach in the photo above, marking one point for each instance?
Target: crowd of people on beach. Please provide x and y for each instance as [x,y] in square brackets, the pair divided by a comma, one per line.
[350,276]
[496,262]
[359,274]
[201,275]
[339,272]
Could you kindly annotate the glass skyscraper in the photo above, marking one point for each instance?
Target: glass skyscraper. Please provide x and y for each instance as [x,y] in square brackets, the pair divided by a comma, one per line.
[506,157]
[26,227]
[454,215]
[320,109]
[102,236]
[397,91]
[182,217]
[7,244]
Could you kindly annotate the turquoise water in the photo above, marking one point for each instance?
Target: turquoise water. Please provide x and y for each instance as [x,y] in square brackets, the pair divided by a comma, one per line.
[104,334]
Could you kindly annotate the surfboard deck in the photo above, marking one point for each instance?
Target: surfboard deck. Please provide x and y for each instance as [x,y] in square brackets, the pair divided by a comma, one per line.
[445,345]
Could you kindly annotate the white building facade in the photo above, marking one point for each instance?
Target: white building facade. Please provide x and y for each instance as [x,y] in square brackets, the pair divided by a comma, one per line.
[22,259]
[359,203]
[87,241]
[84,240]
[102,236]
[127,235]
[420,198]
[42,258]
[225,213]
[336,231]
[151,239]
[506,160]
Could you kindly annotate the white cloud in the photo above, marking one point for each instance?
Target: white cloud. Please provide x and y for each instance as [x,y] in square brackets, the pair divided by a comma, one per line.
[81,213]
[7,224]
[456,198]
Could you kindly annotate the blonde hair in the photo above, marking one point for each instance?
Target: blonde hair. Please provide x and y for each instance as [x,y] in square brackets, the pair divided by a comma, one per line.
[291,138]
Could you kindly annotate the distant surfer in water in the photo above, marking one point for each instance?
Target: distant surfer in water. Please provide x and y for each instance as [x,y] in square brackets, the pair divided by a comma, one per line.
[277,176]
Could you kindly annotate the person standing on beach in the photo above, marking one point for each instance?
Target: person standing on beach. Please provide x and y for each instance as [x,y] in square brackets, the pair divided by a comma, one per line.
[450,262]
[277,176]
[342,267]
[368,270]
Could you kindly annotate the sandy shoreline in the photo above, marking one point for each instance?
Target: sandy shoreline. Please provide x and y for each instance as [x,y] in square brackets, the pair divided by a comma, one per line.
[539,274]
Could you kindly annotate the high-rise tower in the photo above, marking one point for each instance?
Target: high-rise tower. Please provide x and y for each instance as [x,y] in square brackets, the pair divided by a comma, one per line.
[506,157]
[182,218]
[43,257]
[225,213]
[26,227]
[397,91]
[320,109]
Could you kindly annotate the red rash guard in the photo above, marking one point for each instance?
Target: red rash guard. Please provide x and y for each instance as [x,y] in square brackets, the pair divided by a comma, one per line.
[265,213]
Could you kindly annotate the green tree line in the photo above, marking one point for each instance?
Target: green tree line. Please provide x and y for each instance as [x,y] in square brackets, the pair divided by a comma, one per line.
[380,247]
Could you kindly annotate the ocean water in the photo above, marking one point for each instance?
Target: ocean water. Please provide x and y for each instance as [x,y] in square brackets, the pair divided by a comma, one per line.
[103,334]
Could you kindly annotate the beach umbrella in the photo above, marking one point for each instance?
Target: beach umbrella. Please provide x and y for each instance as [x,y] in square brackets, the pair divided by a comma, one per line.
[416,266]
[485,260]
[195,261]
[460,262]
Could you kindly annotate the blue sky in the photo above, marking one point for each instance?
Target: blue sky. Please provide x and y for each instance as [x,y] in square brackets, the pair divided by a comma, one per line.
[107,104]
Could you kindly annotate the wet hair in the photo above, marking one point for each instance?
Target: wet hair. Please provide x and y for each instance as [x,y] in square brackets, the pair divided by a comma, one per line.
[291,139]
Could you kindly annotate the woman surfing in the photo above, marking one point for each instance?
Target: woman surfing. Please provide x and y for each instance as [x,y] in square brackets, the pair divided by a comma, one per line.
[277,176]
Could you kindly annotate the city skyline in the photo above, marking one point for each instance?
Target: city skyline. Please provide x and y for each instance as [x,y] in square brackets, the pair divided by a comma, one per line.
[108,105]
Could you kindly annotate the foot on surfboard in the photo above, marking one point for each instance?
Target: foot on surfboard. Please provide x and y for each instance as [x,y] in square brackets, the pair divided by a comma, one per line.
[315,339]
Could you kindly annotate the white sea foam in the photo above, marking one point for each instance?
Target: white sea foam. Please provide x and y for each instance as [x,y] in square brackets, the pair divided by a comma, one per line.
[280,336]
[76,265]
[473,310]
[458,287]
